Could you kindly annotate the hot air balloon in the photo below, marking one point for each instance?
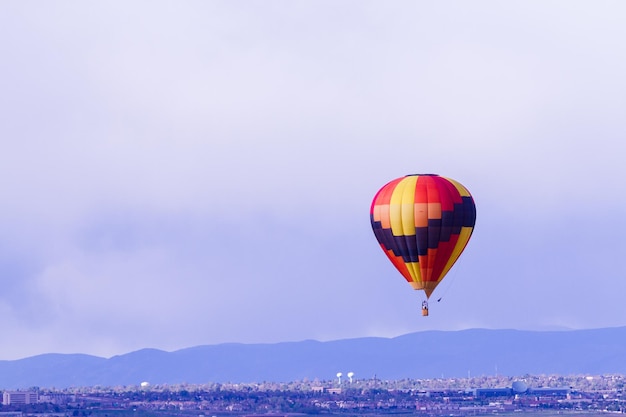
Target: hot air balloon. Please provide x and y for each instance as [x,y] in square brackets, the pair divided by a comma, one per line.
[423,223]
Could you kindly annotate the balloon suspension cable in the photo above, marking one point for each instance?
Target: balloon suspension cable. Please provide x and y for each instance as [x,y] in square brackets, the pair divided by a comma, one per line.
[450,281]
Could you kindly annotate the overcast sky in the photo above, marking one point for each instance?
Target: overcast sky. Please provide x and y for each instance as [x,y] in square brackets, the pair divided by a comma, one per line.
[182,173]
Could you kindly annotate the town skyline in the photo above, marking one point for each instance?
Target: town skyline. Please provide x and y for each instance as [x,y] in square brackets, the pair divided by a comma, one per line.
[450,397]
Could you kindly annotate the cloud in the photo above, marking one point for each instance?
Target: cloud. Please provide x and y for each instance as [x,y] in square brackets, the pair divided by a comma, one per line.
[202,173]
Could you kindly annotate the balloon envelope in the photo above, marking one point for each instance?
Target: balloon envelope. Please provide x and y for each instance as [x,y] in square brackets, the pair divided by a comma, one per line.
[423,223]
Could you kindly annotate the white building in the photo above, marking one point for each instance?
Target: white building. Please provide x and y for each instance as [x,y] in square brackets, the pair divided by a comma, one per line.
[19,397]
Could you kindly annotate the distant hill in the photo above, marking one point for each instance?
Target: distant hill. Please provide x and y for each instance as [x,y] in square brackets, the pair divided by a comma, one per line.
[429,354]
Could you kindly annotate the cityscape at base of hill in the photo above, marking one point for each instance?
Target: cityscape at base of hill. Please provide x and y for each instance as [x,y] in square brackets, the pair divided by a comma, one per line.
[457,397]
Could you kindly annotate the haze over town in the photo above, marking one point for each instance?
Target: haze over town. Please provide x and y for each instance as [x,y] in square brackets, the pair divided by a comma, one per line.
[190,173]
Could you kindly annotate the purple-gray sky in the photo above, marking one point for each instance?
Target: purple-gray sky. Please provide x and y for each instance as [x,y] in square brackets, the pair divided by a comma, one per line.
[197,172]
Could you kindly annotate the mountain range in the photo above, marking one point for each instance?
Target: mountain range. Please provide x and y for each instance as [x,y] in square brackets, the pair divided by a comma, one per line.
[427,354]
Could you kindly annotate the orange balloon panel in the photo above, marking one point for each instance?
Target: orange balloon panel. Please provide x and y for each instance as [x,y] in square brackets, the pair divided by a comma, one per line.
[423,223]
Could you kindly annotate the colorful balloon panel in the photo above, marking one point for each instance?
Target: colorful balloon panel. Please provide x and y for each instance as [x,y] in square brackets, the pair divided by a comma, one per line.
[423,223]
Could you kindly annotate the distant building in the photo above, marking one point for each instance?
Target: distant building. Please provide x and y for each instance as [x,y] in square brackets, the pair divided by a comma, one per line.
[11,414]
[505,392]
[56,398]
[556,392]
[19,397]
[492,392]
